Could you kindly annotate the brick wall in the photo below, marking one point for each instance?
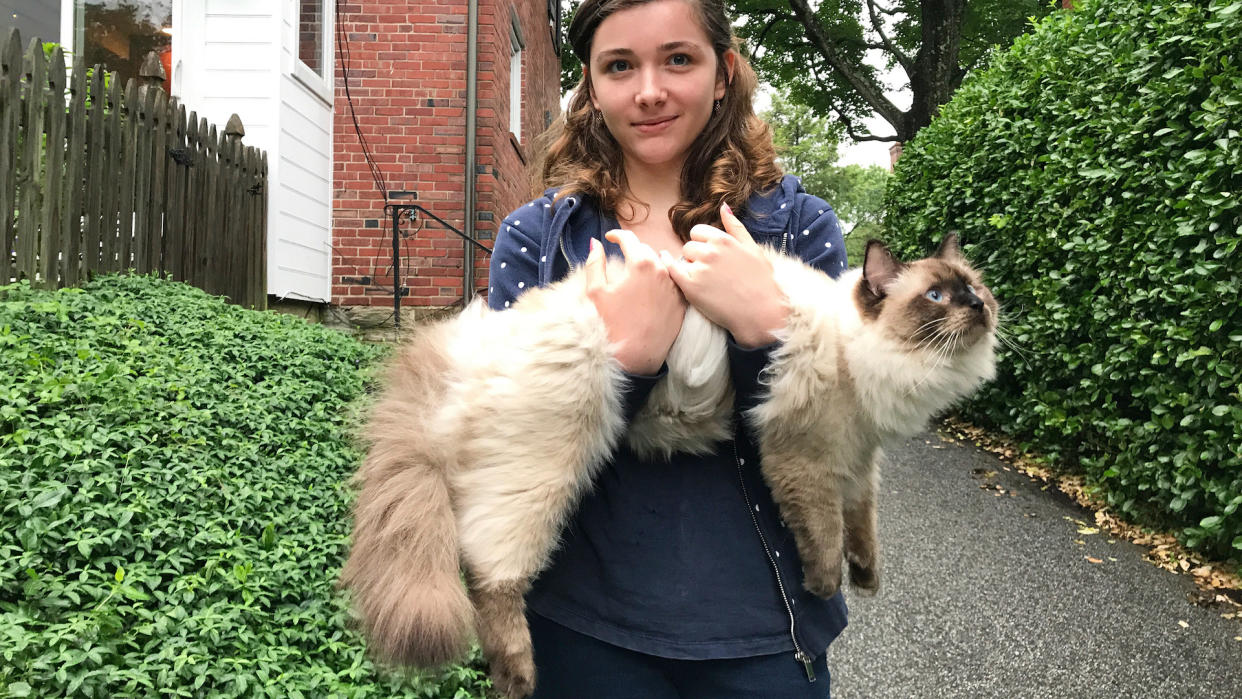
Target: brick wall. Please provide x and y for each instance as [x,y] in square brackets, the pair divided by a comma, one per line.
[407,80]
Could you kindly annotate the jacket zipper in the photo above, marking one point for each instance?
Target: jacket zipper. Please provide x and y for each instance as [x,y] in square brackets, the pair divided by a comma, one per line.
[799,654]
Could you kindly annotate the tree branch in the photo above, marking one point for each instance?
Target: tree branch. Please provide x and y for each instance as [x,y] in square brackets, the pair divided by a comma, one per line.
[776,17]
[906,64]
[849,123]
[866,88]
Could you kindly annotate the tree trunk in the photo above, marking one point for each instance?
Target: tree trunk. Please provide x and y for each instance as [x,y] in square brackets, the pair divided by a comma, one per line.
[936,70]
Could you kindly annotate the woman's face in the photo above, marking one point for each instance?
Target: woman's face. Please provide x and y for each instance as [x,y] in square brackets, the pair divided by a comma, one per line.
[653,77]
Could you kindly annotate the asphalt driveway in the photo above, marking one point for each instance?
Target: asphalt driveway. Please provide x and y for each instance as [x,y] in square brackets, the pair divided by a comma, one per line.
[987,593]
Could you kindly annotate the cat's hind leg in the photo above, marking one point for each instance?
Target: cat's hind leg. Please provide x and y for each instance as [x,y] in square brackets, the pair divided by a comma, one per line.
[510,520]
[504,635]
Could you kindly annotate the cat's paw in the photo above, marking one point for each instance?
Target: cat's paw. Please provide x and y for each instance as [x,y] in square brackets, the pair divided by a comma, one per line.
[513,675]
[864,579]
[823,583]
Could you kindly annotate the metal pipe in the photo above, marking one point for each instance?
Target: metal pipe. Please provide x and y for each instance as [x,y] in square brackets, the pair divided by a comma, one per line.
[472,77]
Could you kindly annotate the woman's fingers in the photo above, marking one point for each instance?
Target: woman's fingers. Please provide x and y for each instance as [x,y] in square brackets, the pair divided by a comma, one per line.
[634,250]
[595,270]
[733,226]
[694,251]
[704,233]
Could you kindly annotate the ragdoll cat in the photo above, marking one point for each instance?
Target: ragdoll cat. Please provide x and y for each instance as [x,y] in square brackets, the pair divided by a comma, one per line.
[492,425]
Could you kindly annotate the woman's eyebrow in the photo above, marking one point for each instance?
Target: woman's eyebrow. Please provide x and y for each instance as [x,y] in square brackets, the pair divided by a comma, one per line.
[663,48]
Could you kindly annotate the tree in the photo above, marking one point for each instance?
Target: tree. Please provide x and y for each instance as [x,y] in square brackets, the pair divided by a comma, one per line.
[830,57]
[571,67]
[806,143]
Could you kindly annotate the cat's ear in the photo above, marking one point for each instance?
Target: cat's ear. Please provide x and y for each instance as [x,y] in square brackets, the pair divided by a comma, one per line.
[880,268]
[949,249]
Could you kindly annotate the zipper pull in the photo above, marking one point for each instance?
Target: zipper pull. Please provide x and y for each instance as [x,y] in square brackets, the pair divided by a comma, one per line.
[806,664]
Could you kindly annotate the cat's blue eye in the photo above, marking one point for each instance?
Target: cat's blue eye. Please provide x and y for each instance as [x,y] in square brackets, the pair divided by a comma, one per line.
[934,295]
[970,289]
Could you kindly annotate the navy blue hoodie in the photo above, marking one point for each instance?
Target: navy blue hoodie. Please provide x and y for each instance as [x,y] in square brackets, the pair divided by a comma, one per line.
[685,558]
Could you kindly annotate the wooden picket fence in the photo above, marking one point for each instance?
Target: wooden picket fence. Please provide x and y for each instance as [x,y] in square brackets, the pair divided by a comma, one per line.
[98,180]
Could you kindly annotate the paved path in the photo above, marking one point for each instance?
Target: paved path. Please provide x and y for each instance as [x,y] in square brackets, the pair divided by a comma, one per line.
[988,595]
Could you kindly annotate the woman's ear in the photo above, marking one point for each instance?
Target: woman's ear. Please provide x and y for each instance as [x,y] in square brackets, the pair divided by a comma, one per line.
[586,77]
[730,63]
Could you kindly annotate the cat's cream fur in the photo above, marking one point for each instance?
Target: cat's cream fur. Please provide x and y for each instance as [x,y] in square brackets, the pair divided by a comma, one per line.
[491,426]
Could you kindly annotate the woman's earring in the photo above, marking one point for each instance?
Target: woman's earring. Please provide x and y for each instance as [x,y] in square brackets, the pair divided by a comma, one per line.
[716,108]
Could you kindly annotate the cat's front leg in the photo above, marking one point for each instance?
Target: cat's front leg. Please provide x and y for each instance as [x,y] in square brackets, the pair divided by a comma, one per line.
[862,548]
[505,637]
[811,507]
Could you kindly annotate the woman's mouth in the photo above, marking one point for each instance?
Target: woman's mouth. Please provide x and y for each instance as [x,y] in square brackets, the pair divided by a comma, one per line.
[652,126]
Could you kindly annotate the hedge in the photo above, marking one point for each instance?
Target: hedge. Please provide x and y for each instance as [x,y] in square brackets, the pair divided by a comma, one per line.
[173,501]
[1094,172]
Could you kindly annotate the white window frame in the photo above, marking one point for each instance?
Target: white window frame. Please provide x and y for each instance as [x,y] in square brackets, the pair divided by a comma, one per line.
[517,46]
[321,85]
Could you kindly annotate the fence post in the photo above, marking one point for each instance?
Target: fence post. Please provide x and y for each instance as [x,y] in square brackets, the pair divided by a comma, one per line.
[10,126]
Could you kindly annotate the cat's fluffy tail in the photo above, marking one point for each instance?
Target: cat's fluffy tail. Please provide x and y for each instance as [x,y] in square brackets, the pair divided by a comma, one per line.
[403,564]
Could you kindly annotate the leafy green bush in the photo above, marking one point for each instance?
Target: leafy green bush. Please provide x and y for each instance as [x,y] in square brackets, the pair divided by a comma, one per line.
[173,502]
[1094,172]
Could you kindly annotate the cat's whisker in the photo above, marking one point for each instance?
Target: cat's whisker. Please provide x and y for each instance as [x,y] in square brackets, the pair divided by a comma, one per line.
[940,355]
[933,335]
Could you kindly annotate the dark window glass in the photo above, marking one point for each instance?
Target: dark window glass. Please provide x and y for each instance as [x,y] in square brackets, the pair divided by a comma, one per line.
[118,34]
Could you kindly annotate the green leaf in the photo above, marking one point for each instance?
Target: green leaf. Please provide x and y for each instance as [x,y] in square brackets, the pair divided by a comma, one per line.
[48,498]
[19,689]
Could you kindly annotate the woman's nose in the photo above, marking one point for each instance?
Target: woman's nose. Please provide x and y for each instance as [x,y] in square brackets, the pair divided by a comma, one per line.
[650,89]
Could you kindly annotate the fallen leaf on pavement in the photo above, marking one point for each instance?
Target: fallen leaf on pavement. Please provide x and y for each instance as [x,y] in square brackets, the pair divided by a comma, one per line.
[1094,560]
[1183,624]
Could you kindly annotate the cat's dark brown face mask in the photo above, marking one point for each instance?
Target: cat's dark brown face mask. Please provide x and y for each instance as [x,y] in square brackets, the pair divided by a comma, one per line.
[938,304]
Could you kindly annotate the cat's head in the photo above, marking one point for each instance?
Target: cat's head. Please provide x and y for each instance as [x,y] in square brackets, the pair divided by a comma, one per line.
[938,304]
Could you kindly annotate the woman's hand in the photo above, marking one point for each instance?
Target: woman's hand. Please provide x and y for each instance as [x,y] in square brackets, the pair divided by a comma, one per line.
[726,276]
[642,308]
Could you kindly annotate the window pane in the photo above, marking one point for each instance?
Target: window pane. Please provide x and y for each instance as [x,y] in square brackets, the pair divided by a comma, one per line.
[118,34]
[310,34]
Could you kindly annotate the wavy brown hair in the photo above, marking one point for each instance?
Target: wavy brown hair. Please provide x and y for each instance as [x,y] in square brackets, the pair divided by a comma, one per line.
[730,160]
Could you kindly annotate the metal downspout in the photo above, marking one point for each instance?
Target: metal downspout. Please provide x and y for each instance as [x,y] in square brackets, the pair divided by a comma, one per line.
[472,78]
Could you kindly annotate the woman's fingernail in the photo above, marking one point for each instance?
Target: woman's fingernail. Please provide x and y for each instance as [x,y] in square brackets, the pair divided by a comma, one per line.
[594,244]
[726,208]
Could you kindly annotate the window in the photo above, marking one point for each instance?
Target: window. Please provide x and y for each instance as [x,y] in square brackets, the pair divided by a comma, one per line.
[516,45]
[119,34]
[310,35]
[314,26]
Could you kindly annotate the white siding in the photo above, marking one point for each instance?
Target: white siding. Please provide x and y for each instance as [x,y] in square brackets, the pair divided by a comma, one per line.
[238,56]
[300,249]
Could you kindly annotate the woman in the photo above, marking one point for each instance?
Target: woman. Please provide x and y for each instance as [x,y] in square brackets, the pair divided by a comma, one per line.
[676,578]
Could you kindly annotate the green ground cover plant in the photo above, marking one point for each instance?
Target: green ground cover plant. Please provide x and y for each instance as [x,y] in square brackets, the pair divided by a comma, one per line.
[1094,172]
[174,506]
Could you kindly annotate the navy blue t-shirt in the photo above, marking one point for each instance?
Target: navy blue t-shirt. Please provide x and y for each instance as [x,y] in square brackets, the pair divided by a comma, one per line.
[685,558]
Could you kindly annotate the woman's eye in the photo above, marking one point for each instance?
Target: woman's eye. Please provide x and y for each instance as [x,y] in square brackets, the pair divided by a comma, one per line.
[679,59]
[617,66]
[934,295]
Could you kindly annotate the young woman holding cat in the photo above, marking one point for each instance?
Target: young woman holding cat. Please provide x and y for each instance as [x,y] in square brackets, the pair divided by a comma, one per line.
[676,578]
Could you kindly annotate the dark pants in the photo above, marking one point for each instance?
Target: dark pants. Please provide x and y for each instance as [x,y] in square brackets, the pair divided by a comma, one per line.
[570,665]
